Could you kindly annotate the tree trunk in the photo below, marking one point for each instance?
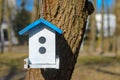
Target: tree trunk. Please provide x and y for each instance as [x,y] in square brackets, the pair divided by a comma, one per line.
[109,39]
[70,16]
[8,19]
[1,20]
[102,29]
[117,35]
[93,29]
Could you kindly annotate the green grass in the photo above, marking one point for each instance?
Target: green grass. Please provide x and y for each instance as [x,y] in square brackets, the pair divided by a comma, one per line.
[87,67]
[97,60]
[97,68]
[11,64]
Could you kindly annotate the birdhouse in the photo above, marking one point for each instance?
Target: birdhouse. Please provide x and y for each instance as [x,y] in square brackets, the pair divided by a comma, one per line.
[42,44]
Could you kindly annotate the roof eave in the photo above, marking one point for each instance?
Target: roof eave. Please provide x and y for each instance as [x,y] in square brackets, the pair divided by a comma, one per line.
[41,20]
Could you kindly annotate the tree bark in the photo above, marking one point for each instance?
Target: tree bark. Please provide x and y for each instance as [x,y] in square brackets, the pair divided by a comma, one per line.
[70,16]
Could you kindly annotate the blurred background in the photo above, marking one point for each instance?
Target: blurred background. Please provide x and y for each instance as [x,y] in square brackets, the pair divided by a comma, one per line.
[99,57]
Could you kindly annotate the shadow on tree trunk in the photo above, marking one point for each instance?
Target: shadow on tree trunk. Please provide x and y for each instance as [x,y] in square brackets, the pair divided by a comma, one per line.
[67,60]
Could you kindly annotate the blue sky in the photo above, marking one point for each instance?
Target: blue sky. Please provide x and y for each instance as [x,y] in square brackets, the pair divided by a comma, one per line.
[28,6]
[30,3]
[110,3]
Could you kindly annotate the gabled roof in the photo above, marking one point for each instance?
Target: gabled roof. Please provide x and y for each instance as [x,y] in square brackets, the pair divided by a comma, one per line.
[39,21]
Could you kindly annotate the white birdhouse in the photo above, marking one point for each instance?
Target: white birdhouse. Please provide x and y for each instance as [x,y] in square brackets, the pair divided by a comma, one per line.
[42,46]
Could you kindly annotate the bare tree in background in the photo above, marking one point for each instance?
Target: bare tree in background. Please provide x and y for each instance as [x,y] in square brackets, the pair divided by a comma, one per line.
[0,9]
[102,29]
[8,19]
[110,46]
[5,16]
[93,30]
[1,35]
[36,10]
[117,35]
[70,16]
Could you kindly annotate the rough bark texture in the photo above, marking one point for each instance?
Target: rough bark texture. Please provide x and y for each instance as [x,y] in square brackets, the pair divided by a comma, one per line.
[70,16]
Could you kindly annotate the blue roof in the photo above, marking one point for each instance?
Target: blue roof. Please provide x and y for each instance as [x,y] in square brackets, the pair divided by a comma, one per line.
[34,24]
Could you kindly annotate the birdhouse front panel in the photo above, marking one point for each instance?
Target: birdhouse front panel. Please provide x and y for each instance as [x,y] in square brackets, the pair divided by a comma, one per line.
[42,45]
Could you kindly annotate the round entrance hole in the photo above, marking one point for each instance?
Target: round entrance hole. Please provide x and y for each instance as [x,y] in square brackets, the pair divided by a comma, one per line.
[42,50]
[42,40]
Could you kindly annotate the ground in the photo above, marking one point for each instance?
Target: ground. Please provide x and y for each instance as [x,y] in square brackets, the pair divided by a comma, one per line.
[92,67]
[97,68]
